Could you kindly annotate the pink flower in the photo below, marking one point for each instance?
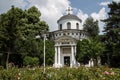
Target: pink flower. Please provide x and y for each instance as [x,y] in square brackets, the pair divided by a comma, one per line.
[112,73]
[106,72]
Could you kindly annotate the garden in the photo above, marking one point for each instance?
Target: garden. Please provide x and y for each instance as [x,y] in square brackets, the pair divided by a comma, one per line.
[20,46]
[66,73]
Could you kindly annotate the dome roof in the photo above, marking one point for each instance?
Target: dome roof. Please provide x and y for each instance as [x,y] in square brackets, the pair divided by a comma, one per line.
[69,16]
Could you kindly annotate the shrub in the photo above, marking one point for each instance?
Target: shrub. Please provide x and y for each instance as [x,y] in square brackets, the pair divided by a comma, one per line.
[81,73]
[32,61]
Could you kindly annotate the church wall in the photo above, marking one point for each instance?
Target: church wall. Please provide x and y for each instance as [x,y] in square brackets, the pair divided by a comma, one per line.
[77,34]
[73,24]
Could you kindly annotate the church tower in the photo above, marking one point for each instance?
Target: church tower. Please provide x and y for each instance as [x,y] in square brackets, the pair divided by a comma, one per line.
[70,30]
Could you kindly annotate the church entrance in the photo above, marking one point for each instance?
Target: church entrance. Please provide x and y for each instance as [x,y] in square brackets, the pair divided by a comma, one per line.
[67,60]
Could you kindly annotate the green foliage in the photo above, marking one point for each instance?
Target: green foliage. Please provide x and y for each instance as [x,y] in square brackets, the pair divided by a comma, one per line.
[112,34]
[9,31]
[82,51]
[87,49]
[91,27]
[18,30]
[81,73]
[32,61]
[49,53]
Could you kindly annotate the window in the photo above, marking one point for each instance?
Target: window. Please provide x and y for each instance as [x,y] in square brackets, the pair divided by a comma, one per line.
[63,33]
[68,25]
[60,26]
[68,33]
[76,33]
[77,26]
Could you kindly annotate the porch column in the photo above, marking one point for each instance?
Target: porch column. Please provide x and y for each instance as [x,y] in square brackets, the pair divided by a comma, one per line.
[59,55]
[75,50]
[56,56]
[72,56]
[75,64]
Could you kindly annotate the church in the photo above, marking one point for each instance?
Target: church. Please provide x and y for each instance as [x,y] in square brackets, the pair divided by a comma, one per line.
[70,30]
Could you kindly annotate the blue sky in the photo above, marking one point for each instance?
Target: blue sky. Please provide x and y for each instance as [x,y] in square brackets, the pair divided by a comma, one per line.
[89,6]
[52,10]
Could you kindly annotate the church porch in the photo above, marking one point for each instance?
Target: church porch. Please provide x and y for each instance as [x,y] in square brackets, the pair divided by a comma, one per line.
[65,56]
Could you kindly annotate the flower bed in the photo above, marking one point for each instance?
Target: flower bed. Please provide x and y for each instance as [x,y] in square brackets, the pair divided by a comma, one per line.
[81,73]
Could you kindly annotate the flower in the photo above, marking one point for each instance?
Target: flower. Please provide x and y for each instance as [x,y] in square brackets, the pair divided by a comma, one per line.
[18,78]
[112,73]
[19,74]
[106,72]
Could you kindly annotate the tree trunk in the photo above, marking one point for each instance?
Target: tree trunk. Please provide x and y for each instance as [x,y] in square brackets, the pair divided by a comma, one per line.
[7,60]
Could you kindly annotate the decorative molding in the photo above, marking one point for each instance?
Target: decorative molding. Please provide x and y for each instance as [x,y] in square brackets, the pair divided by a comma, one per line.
[65,39]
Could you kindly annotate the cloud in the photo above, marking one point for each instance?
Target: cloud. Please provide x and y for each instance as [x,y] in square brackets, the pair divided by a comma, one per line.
[101,15]
[82,16]
[117,1]
[51,10]
[104,3]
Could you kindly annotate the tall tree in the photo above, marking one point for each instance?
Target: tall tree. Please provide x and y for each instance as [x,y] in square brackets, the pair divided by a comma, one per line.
[18,30]
[112,34]
[9,31]
[30,27]
[91,27]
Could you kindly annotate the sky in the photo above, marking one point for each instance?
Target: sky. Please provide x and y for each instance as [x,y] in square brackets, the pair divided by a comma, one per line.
[52,10]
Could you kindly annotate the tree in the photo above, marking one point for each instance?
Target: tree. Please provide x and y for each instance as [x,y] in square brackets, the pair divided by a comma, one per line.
[112,34]
[30,26]
[50,51]
[89,49]
[82,54]
[18,30]
[9,32]
[91,27]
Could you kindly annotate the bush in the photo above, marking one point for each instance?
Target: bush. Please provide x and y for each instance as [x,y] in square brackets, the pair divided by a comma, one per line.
[81,73]
[32,61]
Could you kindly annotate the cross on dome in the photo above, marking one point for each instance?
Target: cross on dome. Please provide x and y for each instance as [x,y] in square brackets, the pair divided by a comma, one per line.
[69,10]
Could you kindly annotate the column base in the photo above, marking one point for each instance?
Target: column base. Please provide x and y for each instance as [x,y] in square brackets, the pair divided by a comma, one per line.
[74,64]
[56,65]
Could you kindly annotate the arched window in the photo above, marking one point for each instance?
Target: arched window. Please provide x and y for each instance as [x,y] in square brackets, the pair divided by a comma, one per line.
[77,26]
[60,26]
[68,25]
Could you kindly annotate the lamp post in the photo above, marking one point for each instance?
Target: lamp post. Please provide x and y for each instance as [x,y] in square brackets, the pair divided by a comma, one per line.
[44,52]
[44,35]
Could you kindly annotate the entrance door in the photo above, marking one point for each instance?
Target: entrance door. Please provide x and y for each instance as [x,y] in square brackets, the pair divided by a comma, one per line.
[67,60]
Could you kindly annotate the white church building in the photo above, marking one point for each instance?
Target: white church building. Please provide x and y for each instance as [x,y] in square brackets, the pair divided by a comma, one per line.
[70,30]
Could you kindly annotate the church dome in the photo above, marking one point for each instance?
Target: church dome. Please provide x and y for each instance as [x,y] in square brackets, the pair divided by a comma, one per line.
[69,16]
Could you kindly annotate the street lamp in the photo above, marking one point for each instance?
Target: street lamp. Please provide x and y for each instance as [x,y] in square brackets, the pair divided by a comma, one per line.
[44,52]
[44,35]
